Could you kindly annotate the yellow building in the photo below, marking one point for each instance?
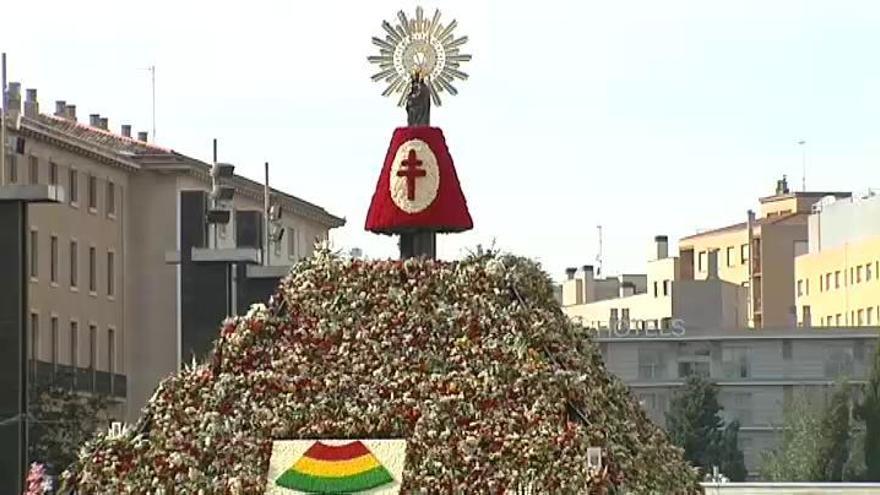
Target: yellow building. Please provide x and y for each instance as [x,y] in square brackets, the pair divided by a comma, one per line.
[776,236]
[837,281]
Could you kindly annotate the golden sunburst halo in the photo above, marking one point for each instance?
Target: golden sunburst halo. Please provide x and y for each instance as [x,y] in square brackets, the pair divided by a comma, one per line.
[419,45]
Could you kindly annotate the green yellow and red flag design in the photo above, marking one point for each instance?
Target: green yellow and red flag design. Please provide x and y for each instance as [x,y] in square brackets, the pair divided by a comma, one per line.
[346,468]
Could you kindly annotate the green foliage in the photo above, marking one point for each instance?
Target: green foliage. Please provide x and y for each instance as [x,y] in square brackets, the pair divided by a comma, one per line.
[815,443]
[694,424]
[869,412]
[61,421]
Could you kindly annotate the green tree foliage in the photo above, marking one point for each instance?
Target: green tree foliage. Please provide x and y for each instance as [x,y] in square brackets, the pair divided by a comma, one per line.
[815,443]
[61,421]
[694,424]
[869,412]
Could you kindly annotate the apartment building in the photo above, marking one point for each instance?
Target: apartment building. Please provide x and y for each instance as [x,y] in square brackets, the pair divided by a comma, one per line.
[837,282]
[109,311]
[658,299]
[758,373]
[759,253]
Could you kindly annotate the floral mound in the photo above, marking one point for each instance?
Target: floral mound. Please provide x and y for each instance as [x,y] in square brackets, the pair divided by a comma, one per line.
[471,361]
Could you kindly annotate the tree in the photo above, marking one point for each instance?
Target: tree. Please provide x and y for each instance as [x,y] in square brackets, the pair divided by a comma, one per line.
[61,421]
[815,444]
[694,424]
[869,412]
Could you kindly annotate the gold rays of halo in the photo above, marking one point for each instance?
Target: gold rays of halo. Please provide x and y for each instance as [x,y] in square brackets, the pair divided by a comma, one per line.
[419,45]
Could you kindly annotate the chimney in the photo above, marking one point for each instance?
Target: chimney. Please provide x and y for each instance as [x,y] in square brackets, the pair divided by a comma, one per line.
[627,289]
[142,136]
[782,186]
[569,273]
[31,107]
[104,123]
[13,100]
[572,289]
[126,130]
[95,120]
[70,113]
[712,264]
[589,284]
[662,244]
[60,108]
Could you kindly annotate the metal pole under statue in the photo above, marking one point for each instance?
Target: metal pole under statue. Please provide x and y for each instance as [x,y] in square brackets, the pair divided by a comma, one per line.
[418,194]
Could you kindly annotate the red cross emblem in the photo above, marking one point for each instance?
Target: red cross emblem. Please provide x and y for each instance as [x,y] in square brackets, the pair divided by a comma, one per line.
[411,170]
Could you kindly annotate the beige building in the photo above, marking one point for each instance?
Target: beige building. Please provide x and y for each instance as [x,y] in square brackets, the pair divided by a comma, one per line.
[104,301]
[659,299]
[759,253]
[837,282]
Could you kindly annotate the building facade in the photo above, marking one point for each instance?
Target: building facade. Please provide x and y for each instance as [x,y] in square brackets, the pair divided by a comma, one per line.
[758,373]
[759,254]
[107,306]
[658,299]
[837,282]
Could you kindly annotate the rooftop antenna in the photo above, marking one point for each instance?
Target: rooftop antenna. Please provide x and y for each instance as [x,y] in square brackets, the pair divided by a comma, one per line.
[152,70]
[599,256]
[801,143]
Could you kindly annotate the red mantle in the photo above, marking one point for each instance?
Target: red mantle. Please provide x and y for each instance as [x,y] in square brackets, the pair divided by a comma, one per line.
[447,212]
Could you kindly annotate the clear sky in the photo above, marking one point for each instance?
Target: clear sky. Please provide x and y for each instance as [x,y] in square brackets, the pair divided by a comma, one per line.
[645,117]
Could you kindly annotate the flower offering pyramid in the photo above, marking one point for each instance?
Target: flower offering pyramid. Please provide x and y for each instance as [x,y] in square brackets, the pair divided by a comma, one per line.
[472,363]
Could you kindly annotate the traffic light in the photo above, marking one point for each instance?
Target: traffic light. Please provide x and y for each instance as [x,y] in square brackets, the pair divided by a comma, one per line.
[221,193]
[276,231]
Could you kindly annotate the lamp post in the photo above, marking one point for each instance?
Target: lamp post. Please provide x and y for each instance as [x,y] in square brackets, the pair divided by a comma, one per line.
[14,202]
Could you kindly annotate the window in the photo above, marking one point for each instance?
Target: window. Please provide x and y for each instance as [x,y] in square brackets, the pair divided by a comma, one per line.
[74,331]
[701,261]
[828,281]
[11,169]
[821,285]
[651,364]
[111,351]
[111,198]
[111,273]
[860,317]
[868,272]
[839,361]
[655,288]
[35,339]
[859,274]
[807,287]
[744,254]
[735,362]
[93,270]
[33,249]
[807,318]
[73,186]
[73,265]
[53,173]
[800,288]
[852,277]
[612,318]
[837,279]
[93,351]
[666,284]
[291,244]
[837,319]
[54,341]
[53,259]
[730,256]
[624,316]
[693,359]
[869,316]
[740,407]
[33,170]
[786,349]
[93,192]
